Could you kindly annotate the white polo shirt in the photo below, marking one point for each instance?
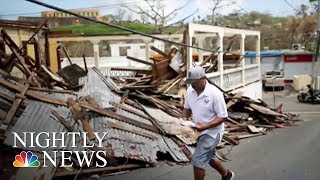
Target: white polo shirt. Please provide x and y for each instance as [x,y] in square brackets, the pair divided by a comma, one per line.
[205,107]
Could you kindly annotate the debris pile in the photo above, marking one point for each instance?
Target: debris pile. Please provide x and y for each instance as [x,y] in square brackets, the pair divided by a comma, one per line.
[141,114]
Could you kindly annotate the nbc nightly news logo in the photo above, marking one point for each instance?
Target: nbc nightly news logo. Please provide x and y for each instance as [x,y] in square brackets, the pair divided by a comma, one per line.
[31,140]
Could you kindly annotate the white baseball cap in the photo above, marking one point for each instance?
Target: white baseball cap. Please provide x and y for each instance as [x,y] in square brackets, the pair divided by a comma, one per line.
[194,74]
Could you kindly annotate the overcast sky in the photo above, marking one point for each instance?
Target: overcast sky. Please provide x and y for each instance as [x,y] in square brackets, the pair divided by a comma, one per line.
[11,9]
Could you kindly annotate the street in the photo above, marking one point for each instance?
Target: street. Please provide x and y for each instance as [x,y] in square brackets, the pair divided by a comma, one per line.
[283,154]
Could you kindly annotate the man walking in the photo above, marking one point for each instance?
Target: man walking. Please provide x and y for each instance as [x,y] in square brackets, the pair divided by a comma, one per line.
[208,108]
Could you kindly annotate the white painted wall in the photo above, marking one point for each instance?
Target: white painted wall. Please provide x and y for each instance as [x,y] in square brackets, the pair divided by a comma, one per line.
[253,90]
[298,68]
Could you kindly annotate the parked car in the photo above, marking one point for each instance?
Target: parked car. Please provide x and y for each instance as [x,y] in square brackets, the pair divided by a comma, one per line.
[274,79]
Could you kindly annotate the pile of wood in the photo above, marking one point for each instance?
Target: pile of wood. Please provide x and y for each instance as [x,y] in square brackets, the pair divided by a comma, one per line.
[21,67]
[247,117]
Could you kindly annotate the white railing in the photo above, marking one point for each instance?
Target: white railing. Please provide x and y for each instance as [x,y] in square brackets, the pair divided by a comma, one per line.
[232,78]
[214,77]
[251,73]
[236,77]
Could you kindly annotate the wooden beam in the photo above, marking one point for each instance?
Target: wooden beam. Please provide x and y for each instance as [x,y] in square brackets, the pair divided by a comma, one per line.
[53,90]
[14,107]
[81,115]
[32,94]
[233,101]
[124,96]
[140,61]
[62,120]
[129,110]
[119,117]
[14,48]
[125,128]
[159,51]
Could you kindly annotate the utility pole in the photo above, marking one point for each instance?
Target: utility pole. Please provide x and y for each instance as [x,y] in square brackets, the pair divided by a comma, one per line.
[315,60]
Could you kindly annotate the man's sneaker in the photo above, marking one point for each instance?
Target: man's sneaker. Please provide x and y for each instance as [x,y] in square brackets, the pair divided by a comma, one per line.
[229,176]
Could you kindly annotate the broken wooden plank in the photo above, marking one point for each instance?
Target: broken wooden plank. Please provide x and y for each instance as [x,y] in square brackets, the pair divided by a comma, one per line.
[119,117]
[232,121]
[125,128]
[253,129]
[80,114]
[14,107]
[230,140]
[233,101]
[248,136]
[124,96]
[265,110]
[32,94]
[62,120]
[140,61]
[14,49]
[129,110]
[53,90]
[159,52]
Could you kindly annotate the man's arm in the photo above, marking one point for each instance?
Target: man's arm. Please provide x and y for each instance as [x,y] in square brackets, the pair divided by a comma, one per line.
[186,113]
[215,122]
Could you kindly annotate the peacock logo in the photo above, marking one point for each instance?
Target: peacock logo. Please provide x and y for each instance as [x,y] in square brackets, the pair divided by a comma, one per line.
[26,160]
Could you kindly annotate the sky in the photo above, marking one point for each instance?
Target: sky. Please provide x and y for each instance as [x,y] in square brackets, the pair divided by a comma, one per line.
[11,9]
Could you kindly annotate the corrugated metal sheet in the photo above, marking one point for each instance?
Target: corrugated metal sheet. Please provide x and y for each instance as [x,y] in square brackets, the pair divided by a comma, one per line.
[36,118]
[123,143]
[127,144]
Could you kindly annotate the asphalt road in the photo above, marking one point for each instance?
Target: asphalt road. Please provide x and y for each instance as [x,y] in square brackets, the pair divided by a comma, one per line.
[284,154]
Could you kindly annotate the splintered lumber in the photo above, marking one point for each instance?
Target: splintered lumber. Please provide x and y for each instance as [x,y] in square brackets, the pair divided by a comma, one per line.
[62,120]
[160,52]
[32,94]
[13,48]
[230,140]
[11,99]
[133,103]
[209,57]
[140,61]
[124,128]
[168,84]
[249,136]
[253,129]
[119,117]
[265,110]
[124,96]
[80,114]
[19,98]
[53,90]
[233,101]
[16,104]
[129,110]
[232,121]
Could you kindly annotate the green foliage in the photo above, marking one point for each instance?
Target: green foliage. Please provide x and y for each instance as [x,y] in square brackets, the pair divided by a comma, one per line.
[99,29]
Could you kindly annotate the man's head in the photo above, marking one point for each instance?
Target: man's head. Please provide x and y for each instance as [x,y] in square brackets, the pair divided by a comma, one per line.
[196,77]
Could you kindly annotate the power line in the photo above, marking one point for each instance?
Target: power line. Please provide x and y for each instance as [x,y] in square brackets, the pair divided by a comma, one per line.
[116,26]
[291,5]
[109,6]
